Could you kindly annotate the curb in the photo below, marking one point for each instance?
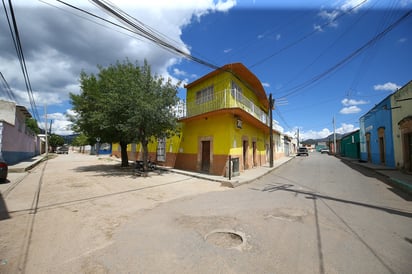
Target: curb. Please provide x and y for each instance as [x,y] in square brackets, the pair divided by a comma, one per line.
[20,167]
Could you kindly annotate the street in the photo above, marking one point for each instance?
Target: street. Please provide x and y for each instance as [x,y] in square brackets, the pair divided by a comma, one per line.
[78,214]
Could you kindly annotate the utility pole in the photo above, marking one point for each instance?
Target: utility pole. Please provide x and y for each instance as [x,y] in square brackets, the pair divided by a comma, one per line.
[271,106]
[51,122]
[334,136]
[45,131]
[298,139]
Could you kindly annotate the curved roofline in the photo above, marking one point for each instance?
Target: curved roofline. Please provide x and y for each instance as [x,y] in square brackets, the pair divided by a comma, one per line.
[244,75]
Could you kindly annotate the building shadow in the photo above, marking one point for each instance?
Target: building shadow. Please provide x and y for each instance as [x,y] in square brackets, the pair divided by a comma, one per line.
[368,172]
[314,195]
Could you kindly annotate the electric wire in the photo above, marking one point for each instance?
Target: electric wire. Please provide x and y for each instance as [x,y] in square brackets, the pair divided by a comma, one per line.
[323,52]
[348,58]
[92,21]
[308,35]
[6,88]
[19,50]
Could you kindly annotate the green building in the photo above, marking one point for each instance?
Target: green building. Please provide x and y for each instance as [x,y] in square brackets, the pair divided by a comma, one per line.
[350,145]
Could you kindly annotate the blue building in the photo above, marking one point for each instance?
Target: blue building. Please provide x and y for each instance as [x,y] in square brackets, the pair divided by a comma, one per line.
[376,138]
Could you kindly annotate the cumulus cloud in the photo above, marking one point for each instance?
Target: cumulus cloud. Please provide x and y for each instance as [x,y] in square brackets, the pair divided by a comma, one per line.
[350,4]
[266,85]
[350,110]
[179,72]
[346,128]
[352,102]
[323,133]
[62,43]
[389,86]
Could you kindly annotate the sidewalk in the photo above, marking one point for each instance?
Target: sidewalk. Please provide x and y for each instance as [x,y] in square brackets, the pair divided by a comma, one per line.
[397,178]
[26,164]
[244,177]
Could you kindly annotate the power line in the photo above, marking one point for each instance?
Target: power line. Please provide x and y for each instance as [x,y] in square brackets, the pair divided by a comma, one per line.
[137,27]
[6,88]
[19,50]
[307,35]
[348,58]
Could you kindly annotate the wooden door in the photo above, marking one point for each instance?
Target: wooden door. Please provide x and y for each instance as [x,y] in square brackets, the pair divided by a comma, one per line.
[205,156]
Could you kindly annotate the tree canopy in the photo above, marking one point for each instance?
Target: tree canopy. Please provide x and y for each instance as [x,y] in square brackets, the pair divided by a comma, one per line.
[125,103]
[55,141]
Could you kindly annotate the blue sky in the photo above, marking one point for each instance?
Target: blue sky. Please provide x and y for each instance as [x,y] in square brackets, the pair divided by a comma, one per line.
[293,47]
[265,41]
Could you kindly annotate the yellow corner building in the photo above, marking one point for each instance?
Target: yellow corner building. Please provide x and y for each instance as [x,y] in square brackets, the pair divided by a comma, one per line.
[225,117]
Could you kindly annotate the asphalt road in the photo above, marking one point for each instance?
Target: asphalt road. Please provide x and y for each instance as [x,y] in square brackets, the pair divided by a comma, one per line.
[312,215]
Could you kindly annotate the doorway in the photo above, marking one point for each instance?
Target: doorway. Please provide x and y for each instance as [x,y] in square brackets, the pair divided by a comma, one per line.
[205,166]
[382,154]
[254,154]
[408,151]
[368,146]
[245,154]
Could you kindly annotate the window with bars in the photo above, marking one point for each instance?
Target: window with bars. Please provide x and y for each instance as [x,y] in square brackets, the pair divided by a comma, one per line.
[161,150]
[236,90]
[204,95]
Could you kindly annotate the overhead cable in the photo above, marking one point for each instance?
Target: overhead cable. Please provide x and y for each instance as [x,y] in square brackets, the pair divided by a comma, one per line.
[307,35]
[347,58]
[7,90]
[19,50]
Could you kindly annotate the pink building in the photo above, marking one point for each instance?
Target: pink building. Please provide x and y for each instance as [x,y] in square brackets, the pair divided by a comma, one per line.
[17,142]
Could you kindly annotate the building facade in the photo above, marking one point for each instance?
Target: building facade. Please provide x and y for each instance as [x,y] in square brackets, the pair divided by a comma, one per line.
[224,126]
[401,108]
[350,145]
[17,142]
[375,134]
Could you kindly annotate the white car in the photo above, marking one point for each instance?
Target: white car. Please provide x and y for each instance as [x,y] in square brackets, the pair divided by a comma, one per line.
[324,150]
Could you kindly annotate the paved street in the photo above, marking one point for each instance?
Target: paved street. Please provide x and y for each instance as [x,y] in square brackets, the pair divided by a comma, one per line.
[315,214]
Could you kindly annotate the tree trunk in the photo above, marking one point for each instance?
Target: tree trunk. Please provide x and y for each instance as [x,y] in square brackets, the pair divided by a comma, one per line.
[123,151]
[145,153]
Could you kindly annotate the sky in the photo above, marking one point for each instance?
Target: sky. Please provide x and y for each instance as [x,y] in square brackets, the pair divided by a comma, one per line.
[322,61]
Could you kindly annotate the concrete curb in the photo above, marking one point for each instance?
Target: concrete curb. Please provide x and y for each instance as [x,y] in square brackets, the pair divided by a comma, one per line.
[25,165]
[224,181]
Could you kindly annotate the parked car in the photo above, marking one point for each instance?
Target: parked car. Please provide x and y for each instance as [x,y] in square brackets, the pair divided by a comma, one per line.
[324,150]
[62,150]
[303,151]
[4,168]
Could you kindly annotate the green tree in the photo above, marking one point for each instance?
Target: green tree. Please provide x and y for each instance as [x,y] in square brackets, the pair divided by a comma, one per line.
[55,141]
[81,140]
[32,124]
[125,103]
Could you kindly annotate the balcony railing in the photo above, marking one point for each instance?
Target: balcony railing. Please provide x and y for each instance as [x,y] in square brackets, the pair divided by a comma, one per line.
[223,99]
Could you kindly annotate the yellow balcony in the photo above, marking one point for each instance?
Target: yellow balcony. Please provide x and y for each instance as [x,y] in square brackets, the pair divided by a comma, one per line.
[224,100]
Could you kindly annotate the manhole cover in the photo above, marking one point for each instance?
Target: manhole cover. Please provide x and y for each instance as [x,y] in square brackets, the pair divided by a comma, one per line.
[226,238]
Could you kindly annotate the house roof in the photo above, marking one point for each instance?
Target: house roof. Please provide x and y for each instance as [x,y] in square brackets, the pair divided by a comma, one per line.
[24,110]
[244,75]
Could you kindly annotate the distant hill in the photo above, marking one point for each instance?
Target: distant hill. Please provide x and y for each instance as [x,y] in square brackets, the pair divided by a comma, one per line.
[326,139]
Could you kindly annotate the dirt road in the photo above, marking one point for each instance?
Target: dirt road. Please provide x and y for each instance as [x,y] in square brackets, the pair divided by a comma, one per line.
[68,208]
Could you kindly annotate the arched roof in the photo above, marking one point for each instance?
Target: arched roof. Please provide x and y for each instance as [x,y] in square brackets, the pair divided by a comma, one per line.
[244,75]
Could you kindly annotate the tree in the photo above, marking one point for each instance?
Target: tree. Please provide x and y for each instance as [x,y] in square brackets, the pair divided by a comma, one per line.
[125,103]
[81,140]
[55,141]
[32,124]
